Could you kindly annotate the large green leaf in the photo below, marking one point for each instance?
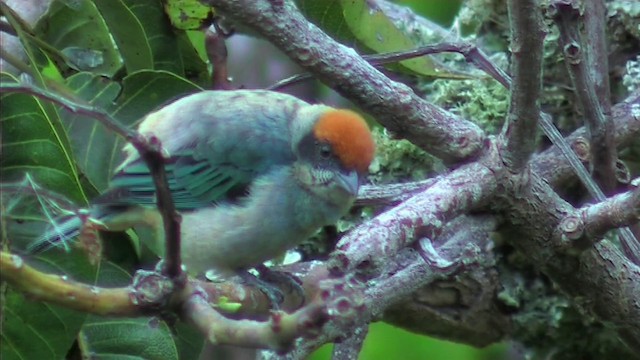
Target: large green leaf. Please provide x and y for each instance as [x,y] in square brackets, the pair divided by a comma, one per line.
[36,330]
[138,338]
[133,338]
[34,143]
[97,149]
[128,33]
[77,30]
[162,40]
[329,16]
[364,26]
[111,338]
[374,30]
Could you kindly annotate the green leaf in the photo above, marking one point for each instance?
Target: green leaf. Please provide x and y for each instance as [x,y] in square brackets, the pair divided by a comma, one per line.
[188,14]
[98,150]
[363,26]
[128,33]
[93,144]
[374,30]
[33,135]
[133,338]
[34,143]
[329,16]
[159,33]
[78,31]
[36,330]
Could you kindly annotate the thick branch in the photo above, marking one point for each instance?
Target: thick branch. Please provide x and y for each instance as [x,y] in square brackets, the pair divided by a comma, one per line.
[588,225]
[527,35]
[394,104]
[607,282]
[424,215]
[351,346]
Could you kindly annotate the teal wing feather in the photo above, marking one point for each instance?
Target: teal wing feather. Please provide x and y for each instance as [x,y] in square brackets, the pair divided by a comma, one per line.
[193,181]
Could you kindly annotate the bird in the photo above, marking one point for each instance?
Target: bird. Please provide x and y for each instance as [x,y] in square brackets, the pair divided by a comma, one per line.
[252,172]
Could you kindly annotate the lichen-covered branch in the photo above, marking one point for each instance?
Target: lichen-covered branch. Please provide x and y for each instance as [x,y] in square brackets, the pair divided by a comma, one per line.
[424,215]
[527,35]
[589,224]
[350,347]
[601,280]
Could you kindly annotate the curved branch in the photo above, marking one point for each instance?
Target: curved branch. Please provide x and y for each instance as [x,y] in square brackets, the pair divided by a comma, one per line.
[394,104]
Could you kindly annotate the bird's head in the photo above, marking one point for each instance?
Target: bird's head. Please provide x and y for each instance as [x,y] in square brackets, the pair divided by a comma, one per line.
[334,149]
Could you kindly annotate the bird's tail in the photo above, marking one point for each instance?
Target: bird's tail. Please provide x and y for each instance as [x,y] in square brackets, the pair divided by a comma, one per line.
[59,233]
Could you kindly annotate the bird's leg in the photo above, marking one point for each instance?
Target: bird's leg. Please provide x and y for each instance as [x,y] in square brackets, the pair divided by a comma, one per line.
[281,277]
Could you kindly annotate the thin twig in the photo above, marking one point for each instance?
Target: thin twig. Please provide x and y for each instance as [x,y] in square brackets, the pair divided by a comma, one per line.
[214,43]
[470,52]
[586,226]
[567,16]
[390,193]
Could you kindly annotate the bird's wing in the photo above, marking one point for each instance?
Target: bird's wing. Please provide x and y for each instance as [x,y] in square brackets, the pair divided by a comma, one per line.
[194,180]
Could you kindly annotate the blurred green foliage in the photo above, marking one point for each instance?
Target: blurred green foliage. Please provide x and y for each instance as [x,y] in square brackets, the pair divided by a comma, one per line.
[441,11]
[388,342]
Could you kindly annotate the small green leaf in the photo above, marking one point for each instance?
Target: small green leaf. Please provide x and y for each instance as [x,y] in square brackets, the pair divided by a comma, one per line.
[188,14]
[227,306]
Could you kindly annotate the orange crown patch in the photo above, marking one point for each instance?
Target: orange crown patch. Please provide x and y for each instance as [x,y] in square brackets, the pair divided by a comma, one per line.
[350,137]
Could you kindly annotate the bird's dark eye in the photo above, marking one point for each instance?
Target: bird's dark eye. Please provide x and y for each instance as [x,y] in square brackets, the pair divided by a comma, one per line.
[325,151]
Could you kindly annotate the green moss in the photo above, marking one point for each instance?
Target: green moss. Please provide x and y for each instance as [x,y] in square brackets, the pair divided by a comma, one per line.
[631,78]
[482,100]
[399,160]
[546,322]
[628,13]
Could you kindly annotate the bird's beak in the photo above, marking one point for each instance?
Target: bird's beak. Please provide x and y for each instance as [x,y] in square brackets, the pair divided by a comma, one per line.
[349,182]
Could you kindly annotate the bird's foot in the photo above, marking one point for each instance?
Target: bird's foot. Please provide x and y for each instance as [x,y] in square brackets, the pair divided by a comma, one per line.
[273,293]
[270,282]
[282,278]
